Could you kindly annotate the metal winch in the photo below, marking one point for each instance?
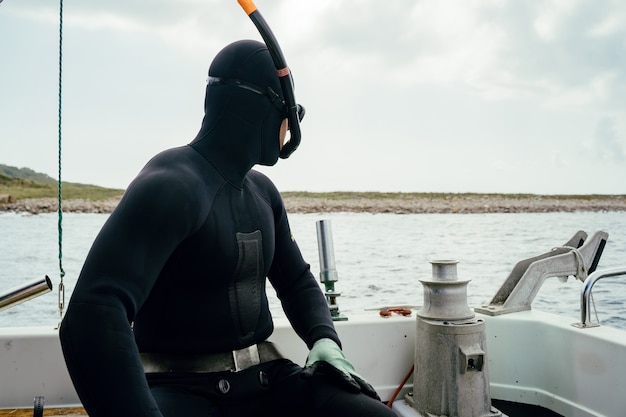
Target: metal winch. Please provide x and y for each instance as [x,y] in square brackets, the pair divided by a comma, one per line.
[450,377]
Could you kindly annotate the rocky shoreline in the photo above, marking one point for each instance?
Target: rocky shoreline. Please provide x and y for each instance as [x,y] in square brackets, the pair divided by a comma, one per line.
[399,204]
[456,203]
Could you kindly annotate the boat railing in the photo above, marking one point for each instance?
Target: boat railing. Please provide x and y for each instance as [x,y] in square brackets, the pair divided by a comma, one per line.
[585,295]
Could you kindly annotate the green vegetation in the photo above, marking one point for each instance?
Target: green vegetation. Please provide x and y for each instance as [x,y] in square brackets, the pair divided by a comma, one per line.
[21,183]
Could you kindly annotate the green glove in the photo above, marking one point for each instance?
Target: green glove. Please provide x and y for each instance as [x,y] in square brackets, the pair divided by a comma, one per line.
[327,358]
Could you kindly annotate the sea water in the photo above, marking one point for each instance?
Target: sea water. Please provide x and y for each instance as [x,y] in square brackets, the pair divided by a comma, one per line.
[380,257]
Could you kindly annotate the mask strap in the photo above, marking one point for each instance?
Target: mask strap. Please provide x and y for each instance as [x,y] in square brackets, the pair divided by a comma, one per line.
[268,92]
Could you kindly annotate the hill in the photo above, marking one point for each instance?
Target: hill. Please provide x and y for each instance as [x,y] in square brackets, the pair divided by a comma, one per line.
[24,183]
[24,174]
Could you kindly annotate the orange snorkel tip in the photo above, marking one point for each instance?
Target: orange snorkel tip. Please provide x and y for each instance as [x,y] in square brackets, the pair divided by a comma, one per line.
[248,6]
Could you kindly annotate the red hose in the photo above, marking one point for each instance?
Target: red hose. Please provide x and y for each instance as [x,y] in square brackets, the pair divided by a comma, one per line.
[395,394]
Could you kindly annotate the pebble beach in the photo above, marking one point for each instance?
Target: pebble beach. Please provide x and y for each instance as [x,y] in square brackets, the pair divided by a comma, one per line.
[397,203]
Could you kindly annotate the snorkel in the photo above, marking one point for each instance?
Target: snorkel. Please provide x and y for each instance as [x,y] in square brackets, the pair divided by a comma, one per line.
[295,112]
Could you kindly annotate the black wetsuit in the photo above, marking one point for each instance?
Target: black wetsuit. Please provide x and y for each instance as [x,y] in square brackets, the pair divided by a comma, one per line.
[183,259]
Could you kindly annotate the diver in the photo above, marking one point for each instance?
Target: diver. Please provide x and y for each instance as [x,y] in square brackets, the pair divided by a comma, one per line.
[169,316]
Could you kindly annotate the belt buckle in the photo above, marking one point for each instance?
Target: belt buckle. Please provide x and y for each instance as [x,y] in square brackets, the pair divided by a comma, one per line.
[246,357]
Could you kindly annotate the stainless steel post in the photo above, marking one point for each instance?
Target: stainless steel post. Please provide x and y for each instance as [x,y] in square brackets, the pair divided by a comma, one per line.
[328,269]
[25,292]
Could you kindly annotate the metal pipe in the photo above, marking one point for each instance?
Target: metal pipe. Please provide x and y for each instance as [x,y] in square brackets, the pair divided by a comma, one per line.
[328,269]
[326,251]
[585,296]
[25,292]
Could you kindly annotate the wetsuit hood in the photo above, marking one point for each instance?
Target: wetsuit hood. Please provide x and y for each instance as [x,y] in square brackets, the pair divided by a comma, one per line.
[241,123]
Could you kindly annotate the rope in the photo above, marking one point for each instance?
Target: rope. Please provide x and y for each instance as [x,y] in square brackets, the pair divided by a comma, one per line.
[60,186]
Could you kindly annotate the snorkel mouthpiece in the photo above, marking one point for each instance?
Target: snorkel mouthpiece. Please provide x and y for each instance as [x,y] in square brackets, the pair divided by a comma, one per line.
[295,112]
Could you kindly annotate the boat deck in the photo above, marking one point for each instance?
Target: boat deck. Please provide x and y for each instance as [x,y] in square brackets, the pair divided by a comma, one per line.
[28,412]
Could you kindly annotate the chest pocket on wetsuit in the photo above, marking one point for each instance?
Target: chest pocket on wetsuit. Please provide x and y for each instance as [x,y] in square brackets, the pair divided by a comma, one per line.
[248,285]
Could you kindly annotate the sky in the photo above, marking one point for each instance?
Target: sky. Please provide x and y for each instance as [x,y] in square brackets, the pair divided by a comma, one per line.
[479,96]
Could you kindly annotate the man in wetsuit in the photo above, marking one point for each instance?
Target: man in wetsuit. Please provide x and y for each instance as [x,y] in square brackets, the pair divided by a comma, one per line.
[169,316]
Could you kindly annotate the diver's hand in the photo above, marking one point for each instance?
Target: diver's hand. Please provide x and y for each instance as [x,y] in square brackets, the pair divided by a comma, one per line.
[326,357]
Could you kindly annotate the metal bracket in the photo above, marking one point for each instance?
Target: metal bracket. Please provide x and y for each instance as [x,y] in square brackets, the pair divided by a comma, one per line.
[523,283]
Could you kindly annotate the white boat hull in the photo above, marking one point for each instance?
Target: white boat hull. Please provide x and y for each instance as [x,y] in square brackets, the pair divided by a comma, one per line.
[533,358]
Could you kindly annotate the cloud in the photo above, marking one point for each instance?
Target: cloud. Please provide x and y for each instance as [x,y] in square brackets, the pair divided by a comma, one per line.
[607,143]
[566,53]
[560,53]
[398,88]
